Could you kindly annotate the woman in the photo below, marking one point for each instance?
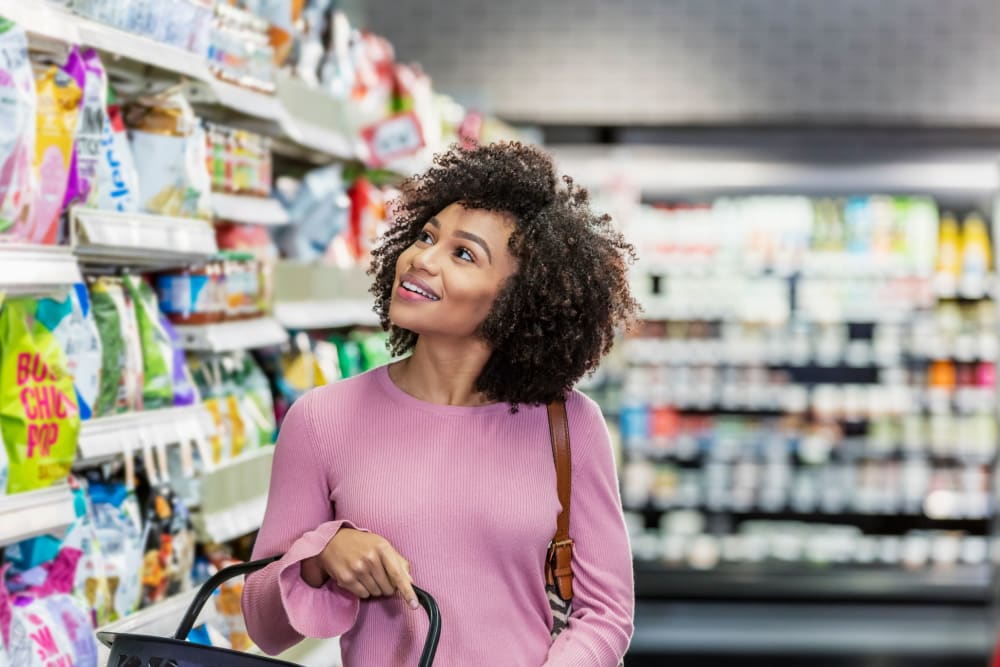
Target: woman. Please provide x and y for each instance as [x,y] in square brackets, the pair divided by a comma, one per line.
[437,470]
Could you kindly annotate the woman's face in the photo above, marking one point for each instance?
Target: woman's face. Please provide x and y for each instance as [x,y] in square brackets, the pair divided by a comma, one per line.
[447,280]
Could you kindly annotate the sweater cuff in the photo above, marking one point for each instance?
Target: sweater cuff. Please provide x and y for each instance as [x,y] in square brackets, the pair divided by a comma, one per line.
[327,611]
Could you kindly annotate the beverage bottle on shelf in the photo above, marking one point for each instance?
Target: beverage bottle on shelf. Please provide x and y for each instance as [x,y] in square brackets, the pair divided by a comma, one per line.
[976,256]
[949,267]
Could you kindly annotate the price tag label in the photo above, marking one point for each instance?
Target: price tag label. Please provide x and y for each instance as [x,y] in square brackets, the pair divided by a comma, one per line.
[393,138]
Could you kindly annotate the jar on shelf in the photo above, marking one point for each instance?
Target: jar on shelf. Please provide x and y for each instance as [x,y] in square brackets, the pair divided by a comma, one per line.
[189,296]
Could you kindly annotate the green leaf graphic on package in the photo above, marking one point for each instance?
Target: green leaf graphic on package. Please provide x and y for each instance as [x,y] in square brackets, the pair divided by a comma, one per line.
[39,416]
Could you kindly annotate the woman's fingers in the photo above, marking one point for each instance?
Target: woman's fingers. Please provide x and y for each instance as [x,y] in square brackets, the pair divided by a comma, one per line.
[399,573]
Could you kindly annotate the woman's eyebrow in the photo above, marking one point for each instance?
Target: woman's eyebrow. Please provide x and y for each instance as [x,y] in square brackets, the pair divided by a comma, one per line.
[468,236]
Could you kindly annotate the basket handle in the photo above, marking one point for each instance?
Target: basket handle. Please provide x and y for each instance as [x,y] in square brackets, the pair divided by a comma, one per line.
[225,574]
[207,588]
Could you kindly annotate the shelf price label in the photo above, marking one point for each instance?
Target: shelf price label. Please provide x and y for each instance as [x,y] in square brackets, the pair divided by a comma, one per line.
[393,138]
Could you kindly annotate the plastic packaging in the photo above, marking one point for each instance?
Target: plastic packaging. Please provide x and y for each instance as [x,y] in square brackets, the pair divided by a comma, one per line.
[72,323]
[157,349]
[168,147]
[83,177]
[116,526]
[18,102]
[184,389]
[117,179]
[38,410]
[122,379]
[57,113]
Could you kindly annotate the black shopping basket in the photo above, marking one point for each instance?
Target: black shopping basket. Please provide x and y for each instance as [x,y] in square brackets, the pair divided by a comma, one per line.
[128,650]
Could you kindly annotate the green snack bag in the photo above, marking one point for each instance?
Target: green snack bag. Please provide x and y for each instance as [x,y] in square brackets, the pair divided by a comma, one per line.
[108,318]
[157,350]
[39,416]
[259,403]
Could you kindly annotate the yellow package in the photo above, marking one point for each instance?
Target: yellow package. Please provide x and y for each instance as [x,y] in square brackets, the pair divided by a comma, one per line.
[56,116]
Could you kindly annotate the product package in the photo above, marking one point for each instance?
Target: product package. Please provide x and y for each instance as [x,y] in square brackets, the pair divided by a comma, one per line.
[258,402]
[57,113]
[46,626]
[169,547]
[157,348]
[168,146]
[18,102]
[116,525]
[121,386]
[86,69]
[72,323]
[185,392]
[39,415]
[117,179]
[319,211]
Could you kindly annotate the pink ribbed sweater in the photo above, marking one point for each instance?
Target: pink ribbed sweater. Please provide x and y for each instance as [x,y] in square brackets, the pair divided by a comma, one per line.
[468,496]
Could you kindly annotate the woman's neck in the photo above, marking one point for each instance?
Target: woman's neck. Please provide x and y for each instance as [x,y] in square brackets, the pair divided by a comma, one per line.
[442,371]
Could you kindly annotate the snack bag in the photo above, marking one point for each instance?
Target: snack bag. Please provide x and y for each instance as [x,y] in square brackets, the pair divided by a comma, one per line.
[87,71]
[117,179]
[18,100]
[57,113]
[157,350]
[39,415]
[90,584]
[47,626]
[259,403]
[72,323]
[185,392]
[207,374]
[121,379]
[117,531]
[158,547]
[168,145]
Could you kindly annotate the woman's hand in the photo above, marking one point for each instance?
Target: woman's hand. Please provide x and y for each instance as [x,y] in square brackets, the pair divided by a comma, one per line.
[362,563]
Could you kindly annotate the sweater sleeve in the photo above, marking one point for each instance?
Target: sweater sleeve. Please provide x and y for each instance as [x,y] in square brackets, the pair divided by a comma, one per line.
[279,607]
[600,626]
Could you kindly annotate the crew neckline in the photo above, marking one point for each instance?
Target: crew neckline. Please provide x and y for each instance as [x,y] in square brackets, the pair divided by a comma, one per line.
[401,397]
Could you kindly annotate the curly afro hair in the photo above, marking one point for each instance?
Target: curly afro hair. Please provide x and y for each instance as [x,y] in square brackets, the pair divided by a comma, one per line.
[555,318]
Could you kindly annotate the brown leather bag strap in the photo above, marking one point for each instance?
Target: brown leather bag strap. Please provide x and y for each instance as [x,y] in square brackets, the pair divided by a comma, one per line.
[559,566]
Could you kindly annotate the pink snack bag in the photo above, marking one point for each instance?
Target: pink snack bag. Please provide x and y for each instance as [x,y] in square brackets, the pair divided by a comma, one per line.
[17,134]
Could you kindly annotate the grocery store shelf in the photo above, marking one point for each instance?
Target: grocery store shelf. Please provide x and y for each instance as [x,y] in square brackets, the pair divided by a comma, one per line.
[162,619]
[44,512]
[36,269]
[48,26]
[236,521]
[332,314]
[248,209]
[234,496]
[961,584]
[139,240]
[801,629]
[230,336]
[105,438]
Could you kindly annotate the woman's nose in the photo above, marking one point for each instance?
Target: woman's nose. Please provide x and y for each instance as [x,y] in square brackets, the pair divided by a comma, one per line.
[426,260]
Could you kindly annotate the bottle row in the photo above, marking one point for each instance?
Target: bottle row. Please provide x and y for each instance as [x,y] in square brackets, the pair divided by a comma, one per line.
[949,331]
[904,235]
[911,487]
[814,544]
[667,434]
[760,389]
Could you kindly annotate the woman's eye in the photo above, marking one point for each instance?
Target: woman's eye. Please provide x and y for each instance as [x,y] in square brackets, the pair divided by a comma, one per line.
[465,254]
[425,237]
